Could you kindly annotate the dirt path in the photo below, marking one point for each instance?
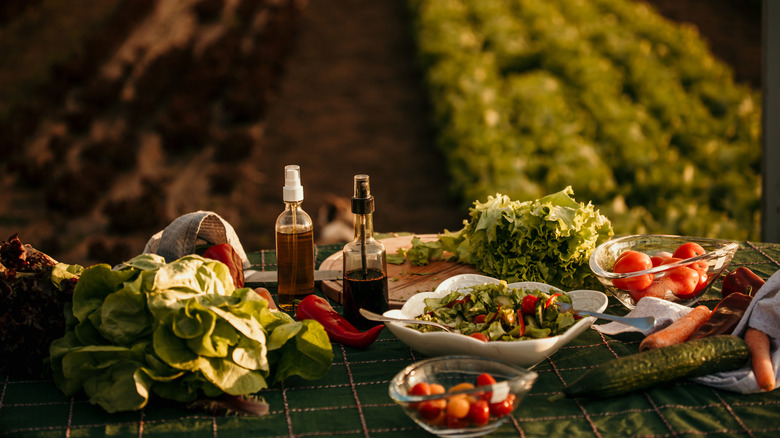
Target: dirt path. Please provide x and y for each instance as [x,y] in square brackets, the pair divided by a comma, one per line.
[351,101]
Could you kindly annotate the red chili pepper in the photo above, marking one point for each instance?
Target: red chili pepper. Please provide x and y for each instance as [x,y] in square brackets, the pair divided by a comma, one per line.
[336,326]
[521,321]
[551,300]
[725,317]
[225,253]
[741,280]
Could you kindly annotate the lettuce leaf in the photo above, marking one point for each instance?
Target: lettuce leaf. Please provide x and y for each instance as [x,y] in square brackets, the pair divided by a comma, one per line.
[547,240]
[179,330]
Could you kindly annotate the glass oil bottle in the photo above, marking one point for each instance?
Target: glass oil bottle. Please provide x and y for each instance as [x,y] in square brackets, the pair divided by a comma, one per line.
[365,261]
[294,244]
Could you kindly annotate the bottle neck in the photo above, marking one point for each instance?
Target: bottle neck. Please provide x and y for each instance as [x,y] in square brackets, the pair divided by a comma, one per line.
[364,226]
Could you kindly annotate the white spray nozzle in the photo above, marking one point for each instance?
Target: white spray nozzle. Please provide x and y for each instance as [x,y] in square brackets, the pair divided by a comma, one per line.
[293,190]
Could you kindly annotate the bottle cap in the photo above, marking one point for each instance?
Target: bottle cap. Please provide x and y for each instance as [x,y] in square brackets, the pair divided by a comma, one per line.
[362,200]
[293,190]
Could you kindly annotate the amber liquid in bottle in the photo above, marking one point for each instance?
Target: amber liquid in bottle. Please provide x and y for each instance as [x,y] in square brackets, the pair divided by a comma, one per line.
[294,254]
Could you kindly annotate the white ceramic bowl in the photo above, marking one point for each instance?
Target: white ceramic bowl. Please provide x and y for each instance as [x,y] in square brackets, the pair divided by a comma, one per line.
[524,353]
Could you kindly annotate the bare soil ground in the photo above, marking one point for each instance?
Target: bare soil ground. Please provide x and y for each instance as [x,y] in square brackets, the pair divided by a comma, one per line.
[198,104]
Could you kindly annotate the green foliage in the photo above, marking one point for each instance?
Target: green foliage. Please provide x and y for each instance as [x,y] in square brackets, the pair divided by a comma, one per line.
[548,240]
[181,331]
[606,96]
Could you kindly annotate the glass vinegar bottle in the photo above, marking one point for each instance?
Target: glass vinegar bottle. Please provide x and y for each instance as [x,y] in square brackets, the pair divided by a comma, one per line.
[365,262]
[294,244]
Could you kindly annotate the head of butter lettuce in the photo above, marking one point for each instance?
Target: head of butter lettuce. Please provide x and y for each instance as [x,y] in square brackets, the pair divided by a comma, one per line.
[178,330]
[549,240]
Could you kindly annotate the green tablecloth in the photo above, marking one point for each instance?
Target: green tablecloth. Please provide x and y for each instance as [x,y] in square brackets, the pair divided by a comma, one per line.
[352,400]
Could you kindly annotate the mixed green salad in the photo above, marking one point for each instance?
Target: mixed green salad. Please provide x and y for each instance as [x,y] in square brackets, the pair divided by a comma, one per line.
[496,312]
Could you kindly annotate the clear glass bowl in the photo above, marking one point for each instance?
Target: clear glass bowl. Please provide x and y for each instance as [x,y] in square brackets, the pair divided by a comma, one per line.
[511,386]
[717,257]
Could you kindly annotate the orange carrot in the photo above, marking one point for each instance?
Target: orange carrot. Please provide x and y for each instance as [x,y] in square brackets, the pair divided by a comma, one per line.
[678,331]
[758,342]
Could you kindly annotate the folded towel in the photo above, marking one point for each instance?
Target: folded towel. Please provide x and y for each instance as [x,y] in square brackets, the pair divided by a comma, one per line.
[191,230]
[763,314]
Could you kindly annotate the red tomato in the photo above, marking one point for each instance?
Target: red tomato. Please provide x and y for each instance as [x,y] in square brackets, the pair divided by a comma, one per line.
[703,277]
[528,306]
[432,409]
[633,261]
[691,249]
[481,336]
[485,379]
[658,260]
[503,407]
[670,260]
[421,388]
[479,412]
[685,280]
[457,423]
[688,250]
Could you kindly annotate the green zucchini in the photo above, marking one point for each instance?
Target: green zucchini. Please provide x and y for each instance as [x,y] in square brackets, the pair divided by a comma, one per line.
[694,358]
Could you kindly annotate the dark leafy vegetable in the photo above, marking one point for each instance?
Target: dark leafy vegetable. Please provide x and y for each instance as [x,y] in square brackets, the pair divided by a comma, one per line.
[34,290]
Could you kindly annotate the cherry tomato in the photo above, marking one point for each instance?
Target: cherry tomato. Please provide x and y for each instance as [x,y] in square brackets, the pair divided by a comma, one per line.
[481,336]
[462,386]
[457,423]
[485,379]
[528,306]
[633,261]
[431,409]
[685,281]
[421,388]
[479,412]
[458,407]
[437,389]
[503,407]
[691,249]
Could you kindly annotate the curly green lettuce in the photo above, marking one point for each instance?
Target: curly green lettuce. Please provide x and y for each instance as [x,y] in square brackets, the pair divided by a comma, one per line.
[548,240]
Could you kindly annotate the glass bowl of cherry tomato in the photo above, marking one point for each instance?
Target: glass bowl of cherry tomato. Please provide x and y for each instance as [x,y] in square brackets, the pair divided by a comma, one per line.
[675,268]
[460,396]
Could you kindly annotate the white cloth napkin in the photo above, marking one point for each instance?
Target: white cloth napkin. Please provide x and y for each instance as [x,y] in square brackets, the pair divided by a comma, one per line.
[665,313]
[763,314]
[186,232]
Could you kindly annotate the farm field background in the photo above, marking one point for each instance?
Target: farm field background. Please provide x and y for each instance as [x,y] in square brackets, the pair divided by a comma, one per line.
[116,119]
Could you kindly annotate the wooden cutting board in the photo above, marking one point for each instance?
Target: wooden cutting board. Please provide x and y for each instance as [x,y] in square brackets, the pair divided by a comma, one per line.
[403,280]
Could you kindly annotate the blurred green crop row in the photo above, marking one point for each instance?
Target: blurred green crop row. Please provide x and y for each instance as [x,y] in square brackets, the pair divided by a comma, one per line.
[607,96]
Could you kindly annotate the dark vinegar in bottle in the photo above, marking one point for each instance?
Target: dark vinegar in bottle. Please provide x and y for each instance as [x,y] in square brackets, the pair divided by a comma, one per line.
[367,290]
